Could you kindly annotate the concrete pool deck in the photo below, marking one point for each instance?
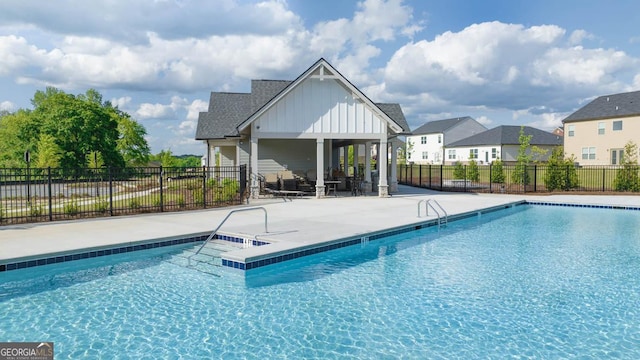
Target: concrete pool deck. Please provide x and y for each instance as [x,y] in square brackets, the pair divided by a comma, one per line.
[298,224]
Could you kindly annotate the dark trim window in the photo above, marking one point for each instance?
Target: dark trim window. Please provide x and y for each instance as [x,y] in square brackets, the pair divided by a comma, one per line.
[423,140]
[473,153]
[617,125]
[425,155]
[494,153]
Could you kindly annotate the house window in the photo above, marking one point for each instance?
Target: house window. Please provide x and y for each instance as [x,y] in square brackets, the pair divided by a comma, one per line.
[600,128]
[451,154]
[572,130]
[494,153]
[439,139]
[423,140]
[425,155]
[617,156]
[588,153]
[617,125]
[473,153]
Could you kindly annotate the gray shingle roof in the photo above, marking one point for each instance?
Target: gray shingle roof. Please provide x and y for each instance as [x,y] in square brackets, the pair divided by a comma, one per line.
[508,135]
[394,111]
[608,106]
[439,126]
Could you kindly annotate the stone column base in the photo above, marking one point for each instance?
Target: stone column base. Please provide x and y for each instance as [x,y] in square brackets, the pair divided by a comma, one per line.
[383,191]
[367,187]
[255,192]
[320,189]
[393,186]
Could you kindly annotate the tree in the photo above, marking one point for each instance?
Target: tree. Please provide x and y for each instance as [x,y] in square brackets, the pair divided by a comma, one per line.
[520,175]
[48,152]
[627,178]
[561,173]
[473,173]
[497,172]
[131,143]
[19,132]
[459,171]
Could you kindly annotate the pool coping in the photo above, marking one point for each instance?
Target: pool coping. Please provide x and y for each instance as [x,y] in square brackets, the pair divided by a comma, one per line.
[279,252]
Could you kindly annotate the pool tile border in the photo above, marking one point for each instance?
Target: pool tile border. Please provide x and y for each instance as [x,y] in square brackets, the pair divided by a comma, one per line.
[92,253]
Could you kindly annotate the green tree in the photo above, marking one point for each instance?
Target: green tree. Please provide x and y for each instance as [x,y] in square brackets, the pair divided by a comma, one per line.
[19,132]
[131,143]
[520,175]
[459,171]
[473,173]
[627,178]
[167,159]
[561,173]
[48,152]
[497,172]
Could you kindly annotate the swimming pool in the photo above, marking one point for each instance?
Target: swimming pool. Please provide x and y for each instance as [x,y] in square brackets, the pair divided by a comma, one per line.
[531,281]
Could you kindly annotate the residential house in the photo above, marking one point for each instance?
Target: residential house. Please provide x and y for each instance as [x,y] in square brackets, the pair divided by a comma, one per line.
[426,144]
[301,126]
[597,133]
[502,142]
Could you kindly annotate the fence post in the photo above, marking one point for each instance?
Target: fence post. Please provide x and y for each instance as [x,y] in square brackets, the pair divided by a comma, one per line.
[441,173]
[49,190]
[465,178]
[204,187]
[490,177]
[524,178]
[604,178]
[110,191]
[429,176]
[535,178]
[420,176]
[161,190]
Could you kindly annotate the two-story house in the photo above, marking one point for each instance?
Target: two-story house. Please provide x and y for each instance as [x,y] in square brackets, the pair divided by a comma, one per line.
[597,133]
[501,142]
[427,143]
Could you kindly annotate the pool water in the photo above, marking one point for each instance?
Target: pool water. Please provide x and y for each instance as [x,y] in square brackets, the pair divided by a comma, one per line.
[528,282]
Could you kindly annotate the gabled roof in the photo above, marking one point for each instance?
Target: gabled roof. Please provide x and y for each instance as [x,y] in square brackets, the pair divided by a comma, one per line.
[508,135]
[321,65]
[608,106]
[229,113]
[440,126]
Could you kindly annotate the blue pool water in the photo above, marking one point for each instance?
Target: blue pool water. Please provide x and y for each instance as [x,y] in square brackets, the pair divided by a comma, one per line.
[529,282]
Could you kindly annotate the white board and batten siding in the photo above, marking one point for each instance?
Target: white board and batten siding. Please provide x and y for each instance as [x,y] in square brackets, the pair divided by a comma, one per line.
[319,108]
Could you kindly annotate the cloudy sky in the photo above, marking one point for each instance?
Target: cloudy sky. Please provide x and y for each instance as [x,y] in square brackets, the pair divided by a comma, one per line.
[517,62]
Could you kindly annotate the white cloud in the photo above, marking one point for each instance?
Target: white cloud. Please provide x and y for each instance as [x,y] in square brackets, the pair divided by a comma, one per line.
[7,106]
[505,66]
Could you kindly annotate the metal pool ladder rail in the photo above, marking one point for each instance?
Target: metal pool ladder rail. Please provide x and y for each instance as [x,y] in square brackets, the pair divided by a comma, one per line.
[223,221]
[429,204]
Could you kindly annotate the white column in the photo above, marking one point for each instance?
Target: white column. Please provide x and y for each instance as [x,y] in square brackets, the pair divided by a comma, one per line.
[367,167]
[393,186]
[383,187]
[253,164]
[320,168]
[345,159]
[356,154]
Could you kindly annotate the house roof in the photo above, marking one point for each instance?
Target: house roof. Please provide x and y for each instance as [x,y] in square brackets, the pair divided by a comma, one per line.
[440,126]
[230,111]
[508,135]
[608,106]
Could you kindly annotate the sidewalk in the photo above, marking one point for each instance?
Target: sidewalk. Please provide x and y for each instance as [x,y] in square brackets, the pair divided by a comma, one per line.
[303,222]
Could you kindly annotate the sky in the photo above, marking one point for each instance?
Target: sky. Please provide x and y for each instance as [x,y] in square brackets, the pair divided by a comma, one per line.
[502,62]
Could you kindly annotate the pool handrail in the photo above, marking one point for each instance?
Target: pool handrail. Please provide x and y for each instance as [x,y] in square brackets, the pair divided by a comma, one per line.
[428,204]
[213,233]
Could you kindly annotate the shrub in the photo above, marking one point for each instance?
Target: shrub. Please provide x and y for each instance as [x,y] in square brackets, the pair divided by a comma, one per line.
[473,173]
[459,171]
[198,197]
[71,208]
[497,172]
[627,177]
[101,206]
[180,201]
[561,173]
[35,210]
[134,204]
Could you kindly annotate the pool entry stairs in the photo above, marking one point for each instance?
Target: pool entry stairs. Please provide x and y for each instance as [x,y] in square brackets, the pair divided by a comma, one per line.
[207,257]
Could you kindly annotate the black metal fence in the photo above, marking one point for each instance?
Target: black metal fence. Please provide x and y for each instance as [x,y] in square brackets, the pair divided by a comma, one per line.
[32,195]
[523,179]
